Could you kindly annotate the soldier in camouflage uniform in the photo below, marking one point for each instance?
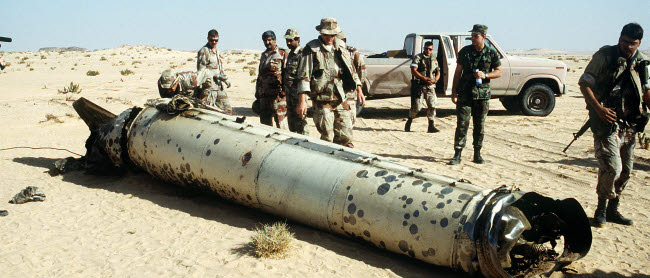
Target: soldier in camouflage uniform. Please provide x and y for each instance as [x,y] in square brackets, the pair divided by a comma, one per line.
[326,73]
[475,61]
[268,89]
[614,90]
[297,123]
[425,73]
[209,58]
[187,83]
[359,66]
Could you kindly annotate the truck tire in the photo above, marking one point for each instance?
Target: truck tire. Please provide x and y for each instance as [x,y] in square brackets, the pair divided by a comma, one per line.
[537,100]
[511,103]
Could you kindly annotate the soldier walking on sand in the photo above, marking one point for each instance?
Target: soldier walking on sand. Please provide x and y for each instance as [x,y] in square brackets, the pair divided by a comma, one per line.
[359,66]
[268,89]
[326,73]
[208,58]
[425,73]
[297,123]
[476,65]
[614,84]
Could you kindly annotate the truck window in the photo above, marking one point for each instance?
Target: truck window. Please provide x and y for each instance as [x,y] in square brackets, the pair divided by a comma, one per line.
[408,46]
[450,52]
[468,41]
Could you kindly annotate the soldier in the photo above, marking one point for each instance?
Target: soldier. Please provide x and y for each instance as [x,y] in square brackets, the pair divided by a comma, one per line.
[614,89]
[209,58]
[187,83]
[326,73]
[425,73]
[360,68]
[268,89]
[297,123]
[476,65]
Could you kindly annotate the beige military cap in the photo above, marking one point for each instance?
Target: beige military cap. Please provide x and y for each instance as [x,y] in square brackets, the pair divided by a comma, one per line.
[328,26]
[167,79]
[291,33]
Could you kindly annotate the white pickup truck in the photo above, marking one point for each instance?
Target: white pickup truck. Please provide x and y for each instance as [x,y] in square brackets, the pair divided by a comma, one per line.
[528,85]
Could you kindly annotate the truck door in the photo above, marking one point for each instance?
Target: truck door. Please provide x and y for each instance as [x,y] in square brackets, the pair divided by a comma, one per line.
[447,63]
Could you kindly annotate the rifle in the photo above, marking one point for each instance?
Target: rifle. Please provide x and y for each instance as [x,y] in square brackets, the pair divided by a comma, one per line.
[577,135]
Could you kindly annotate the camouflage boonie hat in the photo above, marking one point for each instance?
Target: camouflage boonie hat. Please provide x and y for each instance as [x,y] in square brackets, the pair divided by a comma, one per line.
[328,26]
[341,35]
[291,34]
[479,28]
[166,79]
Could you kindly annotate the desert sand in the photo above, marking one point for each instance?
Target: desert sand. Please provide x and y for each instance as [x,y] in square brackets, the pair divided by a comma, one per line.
[136,226]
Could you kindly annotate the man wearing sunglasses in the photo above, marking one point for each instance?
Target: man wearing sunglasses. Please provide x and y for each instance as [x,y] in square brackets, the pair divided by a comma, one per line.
[297,123]
[615,84]
[425,73]
[208,58]
[268,89]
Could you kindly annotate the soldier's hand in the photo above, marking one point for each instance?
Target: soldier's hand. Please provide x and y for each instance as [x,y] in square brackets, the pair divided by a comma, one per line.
[227,83]
[301,109]
[479,74]
[606,114]
[430,81]
[360,97]
[454,97]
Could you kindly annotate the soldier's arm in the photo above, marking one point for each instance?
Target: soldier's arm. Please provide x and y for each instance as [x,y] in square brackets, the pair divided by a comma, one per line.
[362,68]
[437,76]
[303,77]
[454,85]
[588,81]
[495,73]
[202,59]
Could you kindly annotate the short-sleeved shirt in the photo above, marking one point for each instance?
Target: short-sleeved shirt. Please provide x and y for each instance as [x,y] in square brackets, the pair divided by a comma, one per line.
[210,59]
[486,61]
[427,66]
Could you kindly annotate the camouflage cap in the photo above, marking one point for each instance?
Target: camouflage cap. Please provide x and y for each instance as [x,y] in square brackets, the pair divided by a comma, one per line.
[291,34]
[341,35]
[167,79]
[328,26]
[479,28]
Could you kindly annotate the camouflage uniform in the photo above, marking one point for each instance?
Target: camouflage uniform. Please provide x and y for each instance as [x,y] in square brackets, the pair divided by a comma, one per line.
[359,66]
[268,89]
[326,73]
[297,123]
[213,93]
[616,84]
[428,67]
[473,101]
[189,83]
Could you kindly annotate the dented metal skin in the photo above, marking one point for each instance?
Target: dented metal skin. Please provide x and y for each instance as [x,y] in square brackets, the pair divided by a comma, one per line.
[432,218]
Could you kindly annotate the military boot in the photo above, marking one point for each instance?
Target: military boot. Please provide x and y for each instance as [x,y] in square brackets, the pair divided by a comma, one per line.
[407,127]
[456,159]
[599,215]
[477,156]
[613,215]
[432,128]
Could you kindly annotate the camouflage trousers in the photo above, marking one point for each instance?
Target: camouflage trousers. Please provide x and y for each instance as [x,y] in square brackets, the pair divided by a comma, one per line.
[476,109]
[428,96]
[615,153]
[333,121]
[216,98]
[274,109]
[297,123]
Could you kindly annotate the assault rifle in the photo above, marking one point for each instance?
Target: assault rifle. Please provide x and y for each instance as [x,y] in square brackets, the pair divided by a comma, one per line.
[577,135]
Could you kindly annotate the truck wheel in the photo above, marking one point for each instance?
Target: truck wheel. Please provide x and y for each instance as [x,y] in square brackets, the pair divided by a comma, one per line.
[537,100]
[511,104]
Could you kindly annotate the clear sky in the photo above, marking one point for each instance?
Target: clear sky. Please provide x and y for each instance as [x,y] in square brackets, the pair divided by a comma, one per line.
[376,25]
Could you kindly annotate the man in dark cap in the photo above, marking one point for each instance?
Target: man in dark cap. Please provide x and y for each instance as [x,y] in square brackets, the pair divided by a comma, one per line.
[476,65]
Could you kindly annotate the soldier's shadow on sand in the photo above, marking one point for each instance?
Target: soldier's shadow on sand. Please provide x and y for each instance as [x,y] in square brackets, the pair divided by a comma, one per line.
[599,273]
[639,163]
[211,207]
[402,113]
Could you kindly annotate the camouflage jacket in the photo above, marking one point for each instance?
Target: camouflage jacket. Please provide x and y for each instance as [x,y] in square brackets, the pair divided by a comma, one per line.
[616,83]
[486,61]
[290,70]
[358,63]
[210,59]
[269,78]
[326,74]
[427,66]
[190,82]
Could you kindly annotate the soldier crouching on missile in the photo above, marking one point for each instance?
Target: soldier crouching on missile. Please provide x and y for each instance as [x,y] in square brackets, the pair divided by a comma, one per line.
[614,90]
[208,58]
[326,73]
[189,84]
[425,72]
[268,89]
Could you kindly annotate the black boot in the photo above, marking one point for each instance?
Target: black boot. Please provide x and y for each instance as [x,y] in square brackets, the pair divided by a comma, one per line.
[599,215]
[432,128]
[407,127]
[614,216]
[477,156]
[456,159]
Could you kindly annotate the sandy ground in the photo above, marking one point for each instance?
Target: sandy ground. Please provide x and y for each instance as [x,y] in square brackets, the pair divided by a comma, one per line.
[136,226]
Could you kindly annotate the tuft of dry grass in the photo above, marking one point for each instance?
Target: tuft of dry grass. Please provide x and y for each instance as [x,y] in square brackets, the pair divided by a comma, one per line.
[51,117]
[272,240]
[92,73]
[126,72]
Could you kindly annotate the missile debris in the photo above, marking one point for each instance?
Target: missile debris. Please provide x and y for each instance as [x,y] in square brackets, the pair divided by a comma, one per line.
[443,221]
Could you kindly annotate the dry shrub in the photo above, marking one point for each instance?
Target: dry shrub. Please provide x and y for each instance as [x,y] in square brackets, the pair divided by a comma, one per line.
[272,240]
[251,71]
[51,117]
[126,72]
[102,58]
[252,63]
[92,73]
[240,60]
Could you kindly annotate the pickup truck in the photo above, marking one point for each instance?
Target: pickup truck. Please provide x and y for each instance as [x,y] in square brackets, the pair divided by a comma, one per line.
[528,85]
